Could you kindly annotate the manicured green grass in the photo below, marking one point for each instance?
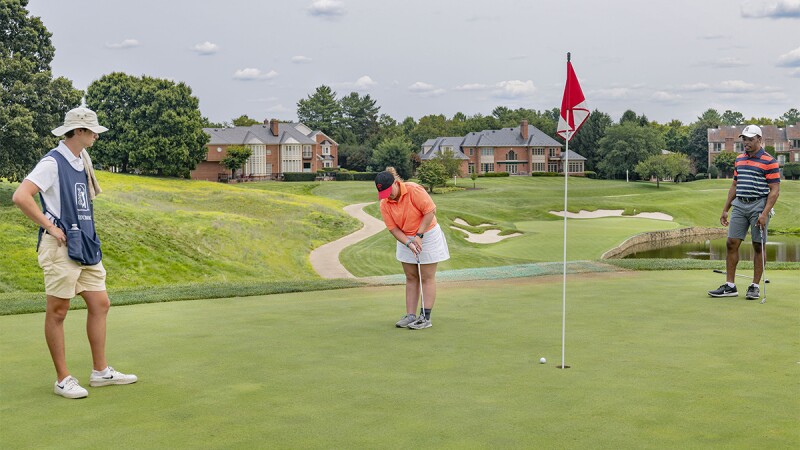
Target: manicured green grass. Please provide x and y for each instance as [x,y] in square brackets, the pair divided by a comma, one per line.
[655,364]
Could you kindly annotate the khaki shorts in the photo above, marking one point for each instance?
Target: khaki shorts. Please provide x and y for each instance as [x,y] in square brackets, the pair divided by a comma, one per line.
[63,277]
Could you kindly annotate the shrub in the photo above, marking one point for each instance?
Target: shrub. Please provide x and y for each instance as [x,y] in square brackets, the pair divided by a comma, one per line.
[545,174]
[494,174]
[344,176]
[299,176]
[364,176]
[590,174]
[701,176]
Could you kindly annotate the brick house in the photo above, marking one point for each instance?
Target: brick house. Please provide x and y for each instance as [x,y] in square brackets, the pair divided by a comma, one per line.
[786,141]
[277,148]
[519,151]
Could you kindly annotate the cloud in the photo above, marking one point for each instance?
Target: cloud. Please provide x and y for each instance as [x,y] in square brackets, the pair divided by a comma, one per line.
[728,62]
[737,86]
[250,74]
[795,73]
[471,87]
[666,97]
[791,59]
[301,59]
[364,83]
[712,37]
[127,43]
[695,87]
[611,94]
[327,9]
[782,9]
[514,89]
[425,89]
[206,48]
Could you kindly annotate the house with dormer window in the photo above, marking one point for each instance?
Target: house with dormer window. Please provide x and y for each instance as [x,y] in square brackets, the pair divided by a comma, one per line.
[276,148]
[522,150]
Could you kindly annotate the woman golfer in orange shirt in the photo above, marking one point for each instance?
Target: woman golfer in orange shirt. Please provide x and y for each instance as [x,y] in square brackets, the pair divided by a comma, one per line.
[410,215]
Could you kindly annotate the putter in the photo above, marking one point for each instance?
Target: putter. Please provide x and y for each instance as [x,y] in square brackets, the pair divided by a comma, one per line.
[738,275]
[421,294]
[763,265]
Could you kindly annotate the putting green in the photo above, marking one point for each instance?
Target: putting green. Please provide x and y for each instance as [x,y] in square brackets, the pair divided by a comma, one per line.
[655,363]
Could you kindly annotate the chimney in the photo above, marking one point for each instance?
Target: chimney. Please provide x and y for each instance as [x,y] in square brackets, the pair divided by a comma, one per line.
[523,129]
[273,126]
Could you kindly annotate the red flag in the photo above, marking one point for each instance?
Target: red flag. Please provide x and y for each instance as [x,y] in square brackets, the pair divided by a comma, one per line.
[573,106]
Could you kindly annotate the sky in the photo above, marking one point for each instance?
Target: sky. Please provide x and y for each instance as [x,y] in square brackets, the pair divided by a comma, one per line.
[666,59]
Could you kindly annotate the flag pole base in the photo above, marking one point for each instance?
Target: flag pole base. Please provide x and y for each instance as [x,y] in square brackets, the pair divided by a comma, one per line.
[562,367]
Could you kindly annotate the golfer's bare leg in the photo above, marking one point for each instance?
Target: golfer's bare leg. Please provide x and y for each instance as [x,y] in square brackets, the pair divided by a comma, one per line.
[732,258]
[758,263]
[54,316]
[412,287]
[97,303]
[429,284]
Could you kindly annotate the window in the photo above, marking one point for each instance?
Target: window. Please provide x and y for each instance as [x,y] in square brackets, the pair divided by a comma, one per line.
[538,151]
[737,147]
[511,156]
[269,152]
[718,146]
[471,167]
[470,152]
[779,146]
[553,153]
[487,167]
[797,156]
[306,151]
[488,151]
[326,164]
[511,168]
[538,167]
[269,169]
[575,167]
[326,149]
[781,159]
[552,167]
[256,163]
[796,143]
[290,160]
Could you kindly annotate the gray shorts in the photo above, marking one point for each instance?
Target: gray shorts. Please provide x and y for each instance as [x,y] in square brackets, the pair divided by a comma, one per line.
[744,216]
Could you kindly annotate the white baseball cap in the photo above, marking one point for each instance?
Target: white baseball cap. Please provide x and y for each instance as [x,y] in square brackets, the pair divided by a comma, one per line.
[750,131]
[79,118]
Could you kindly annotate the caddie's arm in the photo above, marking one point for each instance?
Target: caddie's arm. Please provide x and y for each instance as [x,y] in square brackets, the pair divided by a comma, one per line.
[723,219]
[23,198]
[774,192]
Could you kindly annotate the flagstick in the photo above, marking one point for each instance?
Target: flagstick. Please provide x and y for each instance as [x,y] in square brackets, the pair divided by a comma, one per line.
[564,287]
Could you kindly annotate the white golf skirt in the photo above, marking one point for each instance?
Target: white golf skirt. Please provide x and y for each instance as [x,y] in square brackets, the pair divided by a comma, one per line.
[434,249]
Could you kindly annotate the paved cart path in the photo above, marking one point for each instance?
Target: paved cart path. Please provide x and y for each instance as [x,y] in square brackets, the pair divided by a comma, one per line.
[325,259]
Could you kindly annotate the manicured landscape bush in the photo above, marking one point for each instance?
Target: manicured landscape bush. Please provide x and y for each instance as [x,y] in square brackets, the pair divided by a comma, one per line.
[494,174]
[299,176]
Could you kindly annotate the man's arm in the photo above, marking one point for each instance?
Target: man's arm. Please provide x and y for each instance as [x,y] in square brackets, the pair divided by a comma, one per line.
[723,219]
[23,198]
[774,192]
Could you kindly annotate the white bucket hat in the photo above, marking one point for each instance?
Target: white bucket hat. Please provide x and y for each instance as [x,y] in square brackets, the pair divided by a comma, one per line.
[80,118]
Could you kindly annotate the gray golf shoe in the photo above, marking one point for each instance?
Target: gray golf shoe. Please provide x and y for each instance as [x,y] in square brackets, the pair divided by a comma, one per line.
[420,323]
[752,293]
[406,320]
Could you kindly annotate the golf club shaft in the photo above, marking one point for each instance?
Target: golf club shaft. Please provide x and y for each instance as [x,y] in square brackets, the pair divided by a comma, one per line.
[421,294]
[763,266]
[738,275]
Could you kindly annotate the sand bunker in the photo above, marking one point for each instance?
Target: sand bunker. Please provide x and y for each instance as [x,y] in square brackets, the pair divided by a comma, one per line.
[583,214]
[487,237]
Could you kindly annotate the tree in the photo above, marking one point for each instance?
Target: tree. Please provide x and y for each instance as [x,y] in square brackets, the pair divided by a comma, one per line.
[359,116]
[724,163]
[626,145]
[321,111]
[32,102]
[655,166]
[697,145]
[395,152]
[731,118]
[678,166]
[791,171]
[155,126]
[355,157]
[449,162]
[586,141]
[237,156]
[432,173]
[473,176]
[790,117]
[244,121]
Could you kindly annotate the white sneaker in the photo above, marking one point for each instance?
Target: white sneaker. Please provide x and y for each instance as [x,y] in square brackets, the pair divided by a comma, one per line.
[110,376]
[70,388]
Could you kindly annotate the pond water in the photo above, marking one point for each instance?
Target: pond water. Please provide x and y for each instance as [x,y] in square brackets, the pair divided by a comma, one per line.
[780,248]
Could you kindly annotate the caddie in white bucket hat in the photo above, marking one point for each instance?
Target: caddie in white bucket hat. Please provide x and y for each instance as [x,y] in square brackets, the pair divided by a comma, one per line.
[80,118]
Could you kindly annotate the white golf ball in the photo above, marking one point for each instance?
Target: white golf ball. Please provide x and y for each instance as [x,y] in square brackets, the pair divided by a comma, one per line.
[542,360]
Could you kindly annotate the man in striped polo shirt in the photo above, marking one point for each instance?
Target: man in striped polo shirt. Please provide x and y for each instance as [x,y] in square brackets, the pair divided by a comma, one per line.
[753,193]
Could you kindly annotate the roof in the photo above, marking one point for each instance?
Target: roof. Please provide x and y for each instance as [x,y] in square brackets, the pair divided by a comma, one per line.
[437,146]
[509,137]
[572,157]
[287,132]
[771,132]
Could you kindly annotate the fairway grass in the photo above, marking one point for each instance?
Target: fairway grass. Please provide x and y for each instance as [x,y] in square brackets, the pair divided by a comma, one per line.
[655,364]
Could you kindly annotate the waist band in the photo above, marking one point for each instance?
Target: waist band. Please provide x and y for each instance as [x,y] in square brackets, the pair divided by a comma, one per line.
[749,199]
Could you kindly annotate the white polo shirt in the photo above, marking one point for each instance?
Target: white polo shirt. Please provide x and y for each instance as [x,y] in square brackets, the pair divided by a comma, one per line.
[45,177]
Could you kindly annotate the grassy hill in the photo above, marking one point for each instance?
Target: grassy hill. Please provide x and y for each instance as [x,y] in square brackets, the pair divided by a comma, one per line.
[158,232]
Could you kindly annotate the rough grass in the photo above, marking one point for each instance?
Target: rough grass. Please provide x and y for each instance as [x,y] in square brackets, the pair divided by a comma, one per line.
[655,364]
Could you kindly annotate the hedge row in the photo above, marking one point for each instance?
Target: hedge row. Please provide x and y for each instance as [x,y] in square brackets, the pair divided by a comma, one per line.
[356,176]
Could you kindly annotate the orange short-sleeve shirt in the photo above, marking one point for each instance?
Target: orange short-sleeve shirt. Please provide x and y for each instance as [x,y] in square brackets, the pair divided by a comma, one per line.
[406,212]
